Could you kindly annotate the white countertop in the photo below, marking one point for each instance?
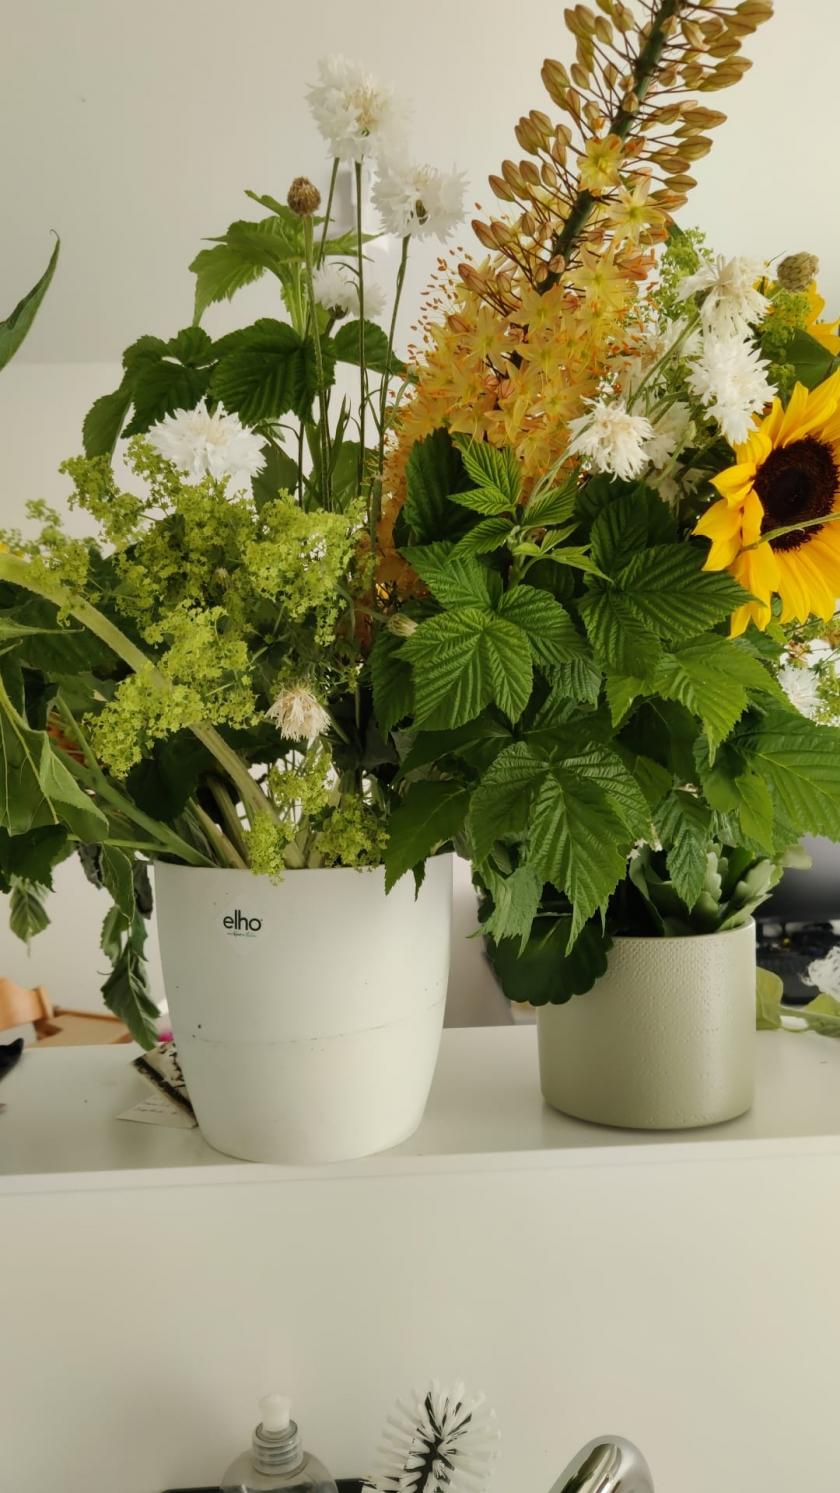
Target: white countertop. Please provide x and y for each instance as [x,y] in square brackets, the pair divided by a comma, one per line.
[60,1129]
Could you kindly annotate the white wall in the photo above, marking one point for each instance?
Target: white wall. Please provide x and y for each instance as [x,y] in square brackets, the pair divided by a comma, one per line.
[132,129]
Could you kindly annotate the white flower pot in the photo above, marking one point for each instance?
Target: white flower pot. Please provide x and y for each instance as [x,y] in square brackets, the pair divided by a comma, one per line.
[307,1015]
[665,1040]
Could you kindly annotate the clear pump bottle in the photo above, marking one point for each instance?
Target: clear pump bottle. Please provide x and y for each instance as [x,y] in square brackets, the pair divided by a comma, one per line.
[276,1459]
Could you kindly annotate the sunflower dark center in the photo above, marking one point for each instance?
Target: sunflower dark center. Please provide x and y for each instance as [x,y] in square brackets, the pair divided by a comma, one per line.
[795,483]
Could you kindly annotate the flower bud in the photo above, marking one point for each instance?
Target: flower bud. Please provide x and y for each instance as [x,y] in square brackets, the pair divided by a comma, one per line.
[796,271]
[304,197]
[401,626]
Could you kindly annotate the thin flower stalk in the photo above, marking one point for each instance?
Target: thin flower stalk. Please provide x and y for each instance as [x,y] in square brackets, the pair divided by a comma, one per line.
[323,397]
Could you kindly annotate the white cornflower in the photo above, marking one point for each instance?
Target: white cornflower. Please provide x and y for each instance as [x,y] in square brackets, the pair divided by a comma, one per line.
[730,379]
[670,432]
[611,439]
[419,200]
[336,288]
[802,689]
[732,304]
[298,714]
[356,115]
[201,444]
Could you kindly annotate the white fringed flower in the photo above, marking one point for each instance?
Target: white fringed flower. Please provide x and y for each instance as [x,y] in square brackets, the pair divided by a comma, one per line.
[802,689]
[201,444]
[611,439]
[730,379]
[419,200]
[670,432]
[356,115]
[298,714]
[337,289]
[732,304]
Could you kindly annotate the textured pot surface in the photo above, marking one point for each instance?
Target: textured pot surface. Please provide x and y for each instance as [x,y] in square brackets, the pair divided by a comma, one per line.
[665,1040]
[307,1015]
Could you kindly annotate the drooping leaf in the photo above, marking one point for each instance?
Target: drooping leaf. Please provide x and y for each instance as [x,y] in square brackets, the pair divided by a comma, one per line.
[428,816]
[463,661]
[347,349]
[269,371]
[280,474]
[515,901]
[166,376]
[550,969]
[36,788]
[126,990]
[27,914]
[17,324]
[684,826]
[117,878]
[393,688]
[800,763]
[434,472]
[552,634]
[32,856]
[104,421]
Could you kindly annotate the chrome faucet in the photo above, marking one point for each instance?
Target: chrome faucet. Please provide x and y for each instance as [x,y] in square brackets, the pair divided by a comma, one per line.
[609,1464]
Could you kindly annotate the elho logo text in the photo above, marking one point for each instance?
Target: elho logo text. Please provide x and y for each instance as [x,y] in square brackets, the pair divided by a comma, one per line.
[241,926]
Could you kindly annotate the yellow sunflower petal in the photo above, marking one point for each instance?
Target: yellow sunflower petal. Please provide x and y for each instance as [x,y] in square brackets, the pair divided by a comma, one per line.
[751,611]
[793,591]
[808,409]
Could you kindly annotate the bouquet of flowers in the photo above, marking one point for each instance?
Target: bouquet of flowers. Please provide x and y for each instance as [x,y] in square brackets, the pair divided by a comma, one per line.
[190,682]
[611,531]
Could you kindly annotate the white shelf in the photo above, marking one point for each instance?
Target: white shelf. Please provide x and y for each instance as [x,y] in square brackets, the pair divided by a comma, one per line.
[60,1129]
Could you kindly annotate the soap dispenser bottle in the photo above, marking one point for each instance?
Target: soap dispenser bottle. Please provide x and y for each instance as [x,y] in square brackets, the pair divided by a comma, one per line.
[276,1458]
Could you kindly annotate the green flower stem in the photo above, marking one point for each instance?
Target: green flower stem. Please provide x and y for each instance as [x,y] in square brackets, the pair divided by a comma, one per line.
[362,366]
[219,840]
[328,211]
[376,492]
[19,572]
[644,72]
[102,787]
[227,809]
[323,401]
[691,324]
[804,523]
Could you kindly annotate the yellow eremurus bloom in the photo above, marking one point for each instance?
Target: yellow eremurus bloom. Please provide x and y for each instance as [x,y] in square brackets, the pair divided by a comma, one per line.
[786,472]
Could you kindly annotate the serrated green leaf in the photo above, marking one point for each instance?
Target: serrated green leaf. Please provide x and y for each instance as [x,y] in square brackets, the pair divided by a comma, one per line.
[630,522]
[165,376]
[434,474]
[393,689]
[605,769]
[477,744]
[684,825]
[811,361]
[104,421]
[126,993]
[269,372]
[428,816]
[219,273]
[454,580]
[117,878]
[17,324]
[800,763]
[36,788]
[554,507]
[668,590]
[621,642]
[489,500]
[552,634]
[27,914]
[710,676]
[489,535]
[32,856]
[494,468]
[465,660]
[548,970]
[621,690]
[515,901]
[346,347]
[577,557]
[578,680]
[501,804]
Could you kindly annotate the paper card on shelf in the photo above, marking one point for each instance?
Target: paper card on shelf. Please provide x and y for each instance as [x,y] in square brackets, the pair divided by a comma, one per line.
[158,1110]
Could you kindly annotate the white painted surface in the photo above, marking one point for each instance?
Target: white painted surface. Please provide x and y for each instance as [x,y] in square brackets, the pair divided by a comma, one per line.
[683,1292]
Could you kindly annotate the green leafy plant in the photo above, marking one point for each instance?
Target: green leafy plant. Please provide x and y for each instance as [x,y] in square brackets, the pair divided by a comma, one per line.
[17,324]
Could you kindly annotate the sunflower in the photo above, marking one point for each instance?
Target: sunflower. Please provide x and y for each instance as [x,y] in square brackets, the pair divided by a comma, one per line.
[786,472]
